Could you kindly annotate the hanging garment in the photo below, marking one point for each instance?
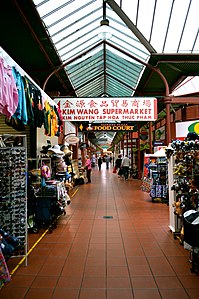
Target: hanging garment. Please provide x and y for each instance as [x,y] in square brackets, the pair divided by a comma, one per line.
[29,102]
[59,121]
[50,120]
[35,98]
[21,112]
[8,90]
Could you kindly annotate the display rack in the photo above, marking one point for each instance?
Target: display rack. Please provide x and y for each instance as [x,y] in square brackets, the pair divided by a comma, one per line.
[46,204]
[183,173]
[175,221]
[159,175]
[155,176]
[13,195]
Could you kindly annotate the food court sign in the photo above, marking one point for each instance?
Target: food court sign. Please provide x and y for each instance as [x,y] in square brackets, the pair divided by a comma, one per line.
[108,109]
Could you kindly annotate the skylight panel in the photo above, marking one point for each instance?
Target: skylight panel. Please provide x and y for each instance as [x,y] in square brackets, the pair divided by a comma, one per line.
[177,23]
[145,17]
[188,86]
[45,8]
[160,26]
[191,29]
[130,8]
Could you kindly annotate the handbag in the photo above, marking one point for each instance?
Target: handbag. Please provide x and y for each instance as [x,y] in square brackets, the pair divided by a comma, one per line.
[114,169]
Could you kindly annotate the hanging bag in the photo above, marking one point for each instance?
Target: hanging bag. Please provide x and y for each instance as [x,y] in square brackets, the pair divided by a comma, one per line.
[114,169]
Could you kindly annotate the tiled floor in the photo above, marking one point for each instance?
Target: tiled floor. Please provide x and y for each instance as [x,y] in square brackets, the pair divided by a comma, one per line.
[130,254]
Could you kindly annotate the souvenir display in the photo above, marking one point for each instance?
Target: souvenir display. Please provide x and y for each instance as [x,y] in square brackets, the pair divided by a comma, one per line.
[183,157]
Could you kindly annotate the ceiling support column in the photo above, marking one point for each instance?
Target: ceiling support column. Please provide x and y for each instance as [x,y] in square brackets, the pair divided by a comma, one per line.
[139,155]
[150,137]
[168,124]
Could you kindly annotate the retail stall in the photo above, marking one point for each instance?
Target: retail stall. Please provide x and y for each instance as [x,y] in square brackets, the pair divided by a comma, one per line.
[25,107]
[183,178]
[155,176]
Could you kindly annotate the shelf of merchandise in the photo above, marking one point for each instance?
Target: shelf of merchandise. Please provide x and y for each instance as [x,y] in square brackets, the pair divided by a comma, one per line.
[159,175]
[13,197]
[183,179]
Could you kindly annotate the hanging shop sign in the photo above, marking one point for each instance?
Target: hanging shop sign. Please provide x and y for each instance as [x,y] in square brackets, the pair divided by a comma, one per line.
[72,139]
[112,127]
[109,109]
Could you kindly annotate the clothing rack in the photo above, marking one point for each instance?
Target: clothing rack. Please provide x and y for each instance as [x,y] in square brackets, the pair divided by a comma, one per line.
[9,61]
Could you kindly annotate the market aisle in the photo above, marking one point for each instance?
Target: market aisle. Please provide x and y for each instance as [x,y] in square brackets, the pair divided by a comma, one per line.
[113,243]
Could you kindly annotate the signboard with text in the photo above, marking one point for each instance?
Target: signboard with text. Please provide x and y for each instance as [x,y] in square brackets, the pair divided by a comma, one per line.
[108,109]
[112,127]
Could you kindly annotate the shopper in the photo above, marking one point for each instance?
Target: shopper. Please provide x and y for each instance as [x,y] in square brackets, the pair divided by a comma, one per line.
[99,162]
[93,161]
[88,169]
[126,162]
[118,162]
[107,161]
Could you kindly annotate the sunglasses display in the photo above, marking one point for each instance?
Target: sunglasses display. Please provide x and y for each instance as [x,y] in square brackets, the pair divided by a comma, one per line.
[13,195]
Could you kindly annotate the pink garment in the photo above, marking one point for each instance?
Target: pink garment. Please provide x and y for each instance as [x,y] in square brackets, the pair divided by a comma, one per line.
[45,171]
[88,164]
[8,90]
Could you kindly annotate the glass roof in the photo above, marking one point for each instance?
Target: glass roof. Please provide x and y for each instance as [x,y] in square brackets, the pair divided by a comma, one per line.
[171,26]
[96,68]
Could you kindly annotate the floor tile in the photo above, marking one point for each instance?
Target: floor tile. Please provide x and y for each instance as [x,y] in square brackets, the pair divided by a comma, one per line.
[147,294]
[168,282]
[94,282]
[92,293]
[174,294]
[95,271]
[143,282]
[119,294]
[13,293]
[160,266]
[69,282]
[113,271]
[118,282]
[21,281]
[44,282]
[140,270]
[34,293]
[189,282]
[65,293]
[193,293]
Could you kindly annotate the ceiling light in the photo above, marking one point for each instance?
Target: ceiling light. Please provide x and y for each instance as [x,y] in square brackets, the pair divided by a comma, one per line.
[104,30]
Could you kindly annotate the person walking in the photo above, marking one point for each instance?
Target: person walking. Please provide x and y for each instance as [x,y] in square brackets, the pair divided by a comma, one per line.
[99,162]
[118,162]
[107,161]
[126,162]
[88,169]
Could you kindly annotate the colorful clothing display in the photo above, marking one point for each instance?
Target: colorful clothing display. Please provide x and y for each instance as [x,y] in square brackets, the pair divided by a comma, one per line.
[23,103]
